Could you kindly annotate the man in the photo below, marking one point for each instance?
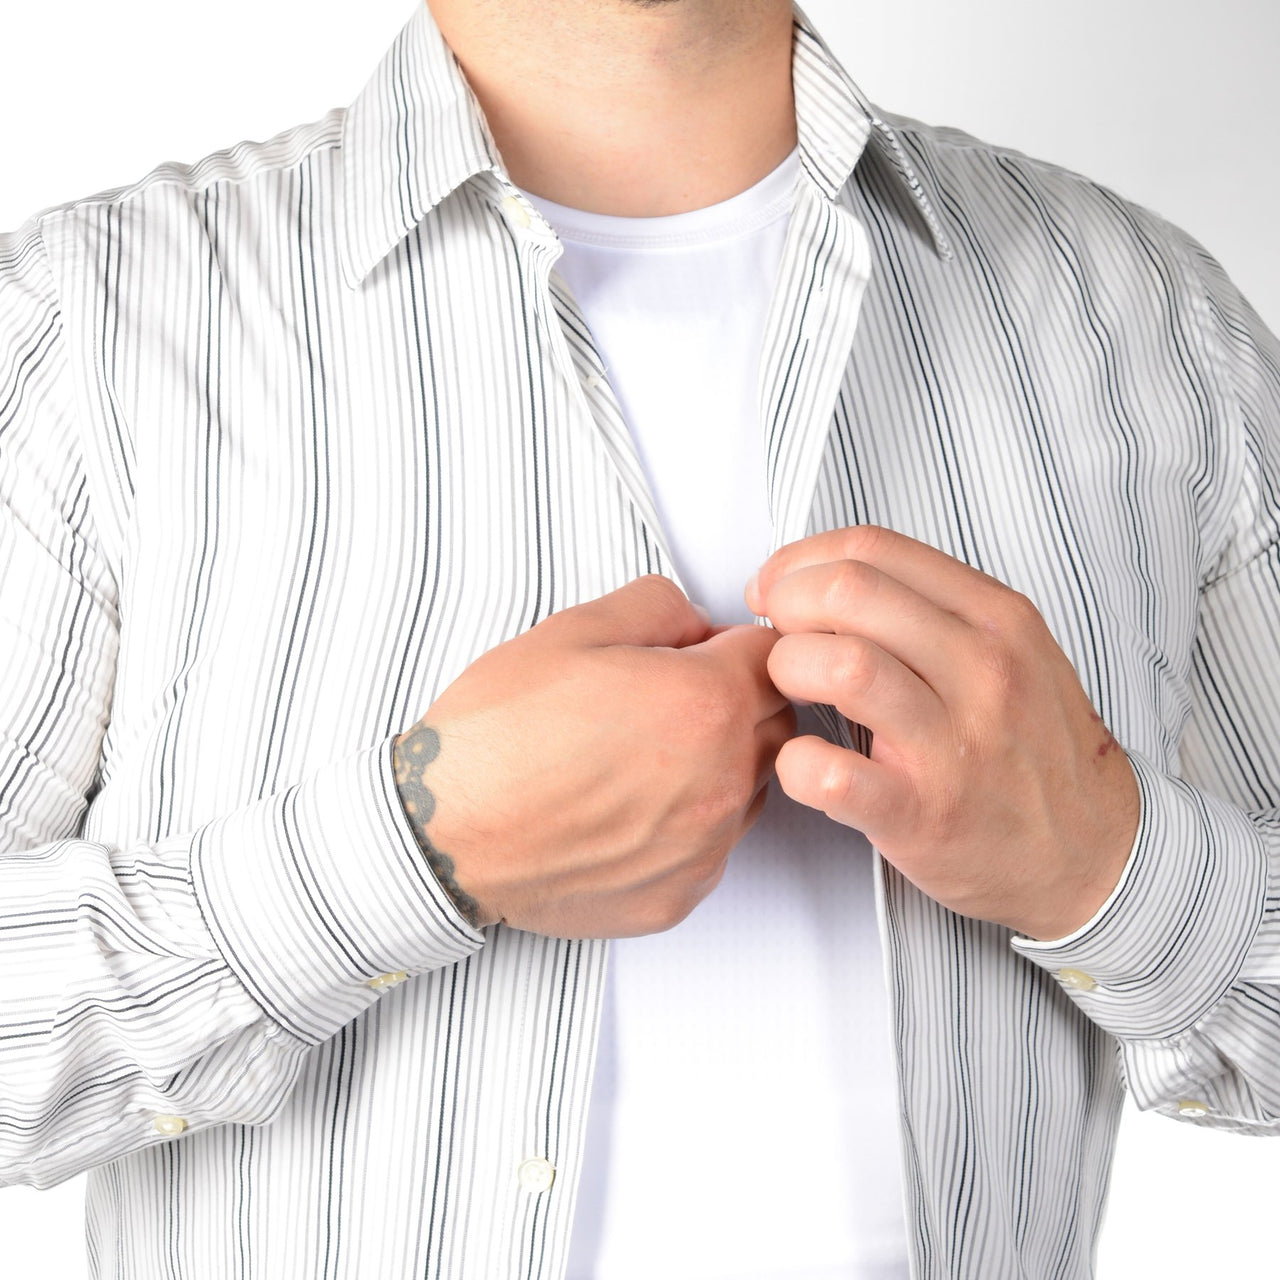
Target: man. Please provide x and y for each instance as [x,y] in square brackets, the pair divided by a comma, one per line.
[336,471]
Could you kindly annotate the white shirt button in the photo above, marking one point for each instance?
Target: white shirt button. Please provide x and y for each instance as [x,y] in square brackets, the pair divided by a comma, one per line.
[384,981]
[514,210]
[1076,980]
[170,1126]
[536,1175]
[1193,1108]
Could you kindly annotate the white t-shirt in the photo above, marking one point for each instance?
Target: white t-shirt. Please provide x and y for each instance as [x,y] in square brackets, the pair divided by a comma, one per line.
[743,1121]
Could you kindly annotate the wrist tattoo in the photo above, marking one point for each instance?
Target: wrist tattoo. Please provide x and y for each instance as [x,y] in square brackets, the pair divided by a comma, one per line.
[412,753]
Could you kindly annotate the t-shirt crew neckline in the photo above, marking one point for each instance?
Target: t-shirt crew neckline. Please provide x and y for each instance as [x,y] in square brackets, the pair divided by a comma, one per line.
[758,206]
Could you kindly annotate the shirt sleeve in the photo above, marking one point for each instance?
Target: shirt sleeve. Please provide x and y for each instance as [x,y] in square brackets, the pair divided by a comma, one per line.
[1182,963]
[156,988]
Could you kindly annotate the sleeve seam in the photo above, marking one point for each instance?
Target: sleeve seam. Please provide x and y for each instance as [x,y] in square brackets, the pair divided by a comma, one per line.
[1206,335]
[86,527]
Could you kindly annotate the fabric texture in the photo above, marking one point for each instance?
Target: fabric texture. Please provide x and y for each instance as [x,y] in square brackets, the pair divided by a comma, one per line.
[290,436]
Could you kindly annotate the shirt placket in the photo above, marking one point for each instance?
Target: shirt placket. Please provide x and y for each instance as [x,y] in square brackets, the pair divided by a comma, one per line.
[579,365]
[809,333]
[808,336]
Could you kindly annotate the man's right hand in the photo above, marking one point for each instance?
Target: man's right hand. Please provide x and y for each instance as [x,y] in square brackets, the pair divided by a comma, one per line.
[589,777]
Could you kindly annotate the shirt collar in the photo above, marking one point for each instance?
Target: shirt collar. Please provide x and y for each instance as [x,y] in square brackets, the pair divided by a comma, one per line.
[417,133]
[835,121]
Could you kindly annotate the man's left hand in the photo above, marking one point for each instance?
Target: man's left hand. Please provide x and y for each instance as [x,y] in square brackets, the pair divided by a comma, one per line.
[993,785]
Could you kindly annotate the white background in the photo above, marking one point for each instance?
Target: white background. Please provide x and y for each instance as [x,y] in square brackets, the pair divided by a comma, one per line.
[1173,104]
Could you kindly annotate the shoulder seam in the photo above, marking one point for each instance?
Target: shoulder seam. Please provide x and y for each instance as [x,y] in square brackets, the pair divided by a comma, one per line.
[953,139]
[235,164]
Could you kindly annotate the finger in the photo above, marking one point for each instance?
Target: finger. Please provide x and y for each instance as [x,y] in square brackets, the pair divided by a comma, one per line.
[846,786]
[651,612]
[742,652]
[771,735]
[862,681]
[853,598]
[948,582]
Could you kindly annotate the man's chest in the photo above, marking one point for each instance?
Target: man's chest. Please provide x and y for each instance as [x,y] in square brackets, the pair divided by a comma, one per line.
[331,508]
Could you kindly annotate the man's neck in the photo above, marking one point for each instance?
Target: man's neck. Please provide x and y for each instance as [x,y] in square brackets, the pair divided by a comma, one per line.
[620,107]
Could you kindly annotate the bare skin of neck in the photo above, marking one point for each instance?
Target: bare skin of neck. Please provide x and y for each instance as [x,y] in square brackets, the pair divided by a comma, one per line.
[627,108]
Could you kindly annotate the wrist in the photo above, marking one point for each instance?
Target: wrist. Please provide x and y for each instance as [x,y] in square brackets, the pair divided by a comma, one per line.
[413,753]
[1097,867]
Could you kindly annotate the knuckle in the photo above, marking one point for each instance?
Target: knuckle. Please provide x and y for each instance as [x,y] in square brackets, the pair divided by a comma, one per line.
[850,584]
[853,668]
[727,794]
[833,784]
[659,913]
[659,593]
[1003,650]
[1024,619]
[713,878]
[1010,664]
[662,587]
[869,540]
[674,913]
[1002,668]
[677,900]
[1009,614]
[708,866]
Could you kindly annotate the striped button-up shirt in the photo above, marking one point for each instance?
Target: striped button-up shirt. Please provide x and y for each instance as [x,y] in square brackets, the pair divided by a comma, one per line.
[289,437]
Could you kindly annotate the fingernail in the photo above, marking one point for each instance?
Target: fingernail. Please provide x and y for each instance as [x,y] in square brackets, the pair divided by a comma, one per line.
[753,588]
[703,613]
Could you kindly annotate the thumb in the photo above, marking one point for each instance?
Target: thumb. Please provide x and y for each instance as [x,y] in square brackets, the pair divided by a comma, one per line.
[650,611]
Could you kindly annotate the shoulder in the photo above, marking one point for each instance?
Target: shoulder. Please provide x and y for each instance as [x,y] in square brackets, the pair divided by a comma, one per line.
[995,184]
[990,193]
[1035,225]
[247,173]
[1065,250]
